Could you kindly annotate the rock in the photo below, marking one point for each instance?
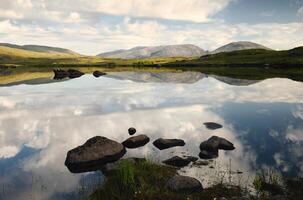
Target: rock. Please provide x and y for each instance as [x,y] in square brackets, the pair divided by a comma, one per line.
[97,74]
[93,154]
[167,143]
[206,154]
[177,161]
[215,143]
[212,125]
[135,142]
[72,73]
[60,74]
[184,184]
[132,131]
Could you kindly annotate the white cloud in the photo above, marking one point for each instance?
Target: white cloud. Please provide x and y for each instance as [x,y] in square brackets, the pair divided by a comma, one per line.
[8,151]
[82,27]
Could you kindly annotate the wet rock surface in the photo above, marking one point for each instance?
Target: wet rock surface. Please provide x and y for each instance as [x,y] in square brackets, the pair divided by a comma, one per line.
[162,144]
[93,154]
[212,125]
[184,184]
[216,143]
[136,141]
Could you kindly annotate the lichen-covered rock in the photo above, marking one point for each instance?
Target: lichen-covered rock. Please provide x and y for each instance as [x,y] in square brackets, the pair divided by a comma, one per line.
[93,154]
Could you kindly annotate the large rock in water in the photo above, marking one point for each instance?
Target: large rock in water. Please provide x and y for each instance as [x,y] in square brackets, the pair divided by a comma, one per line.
[215,143]
[167,143]
[92,155]
[177,161]
[184,184]
[135,142]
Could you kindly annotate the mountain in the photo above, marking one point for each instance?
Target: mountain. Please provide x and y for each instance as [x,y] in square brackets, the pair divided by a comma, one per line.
[185,50]
[164,77]
[237,46]
[40,49]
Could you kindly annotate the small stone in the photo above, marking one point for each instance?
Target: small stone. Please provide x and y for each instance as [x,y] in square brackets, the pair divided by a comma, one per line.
[132,131]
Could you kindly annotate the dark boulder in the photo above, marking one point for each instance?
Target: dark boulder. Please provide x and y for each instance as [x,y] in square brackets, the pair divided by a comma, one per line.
[135,142]
[215,143]
[97,74]
[60,74]
[184,184]
[132,131]
[93,154]
[167,143]
[209,154]
[177,161]
[213,125]
[72,73]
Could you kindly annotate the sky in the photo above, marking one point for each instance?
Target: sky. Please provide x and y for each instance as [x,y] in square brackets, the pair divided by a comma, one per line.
[94,26]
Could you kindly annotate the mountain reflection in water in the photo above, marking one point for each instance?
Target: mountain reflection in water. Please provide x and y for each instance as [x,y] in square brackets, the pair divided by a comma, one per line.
[40,123]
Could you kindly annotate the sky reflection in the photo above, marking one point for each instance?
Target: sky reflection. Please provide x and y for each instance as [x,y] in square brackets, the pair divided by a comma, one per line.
[40,123]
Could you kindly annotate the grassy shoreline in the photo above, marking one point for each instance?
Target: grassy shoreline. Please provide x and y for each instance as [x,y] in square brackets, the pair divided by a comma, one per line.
[143,179]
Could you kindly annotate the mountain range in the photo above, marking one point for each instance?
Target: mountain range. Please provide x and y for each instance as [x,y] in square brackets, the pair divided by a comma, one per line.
[185,50]
[165,51]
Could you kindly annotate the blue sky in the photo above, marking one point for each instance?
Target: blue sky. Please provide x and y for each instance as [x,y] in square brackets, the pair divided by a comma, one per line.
[94,26]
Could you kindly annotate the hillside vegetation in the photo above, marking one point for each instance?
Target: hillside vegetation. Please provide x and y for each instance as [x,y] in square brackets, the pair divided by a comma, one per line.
[252,58]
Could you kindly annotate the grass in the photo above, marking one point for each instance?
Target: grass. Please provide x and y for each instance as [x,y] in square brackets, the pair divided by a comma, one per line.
[142,179]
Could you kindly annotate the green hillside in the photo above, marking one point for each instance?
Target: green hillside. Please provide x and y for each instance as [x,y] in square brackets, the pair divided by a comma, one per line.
[252,58]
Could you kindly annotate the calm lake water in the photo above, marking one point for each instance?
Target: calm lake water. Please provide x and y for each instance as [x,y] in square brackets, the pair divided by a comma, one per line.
[39,123]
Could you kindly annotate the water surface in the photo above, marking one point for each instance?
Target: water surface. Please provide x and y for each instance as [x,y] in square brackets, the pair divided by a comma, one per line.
[39,123]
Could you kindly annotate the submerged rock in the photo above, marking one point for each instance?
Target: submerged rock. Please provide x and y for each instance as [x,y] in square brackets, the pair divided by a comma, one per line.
[215,143]
[135,142]
[184,184]
[213,125]
[177,161]
[192,158]
[167,143]
[93,154]
[97,74]
[132,131]
[209,154]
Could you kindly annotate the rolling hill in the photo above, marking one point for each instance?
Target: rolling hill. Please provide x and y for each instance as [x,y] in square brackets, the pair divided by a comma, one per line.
[238,46]
[39,49]
[186,50]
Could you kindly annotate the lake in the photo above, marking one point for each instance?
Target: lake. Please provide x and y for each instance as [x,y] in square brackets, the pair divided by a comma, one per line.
[41,120]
